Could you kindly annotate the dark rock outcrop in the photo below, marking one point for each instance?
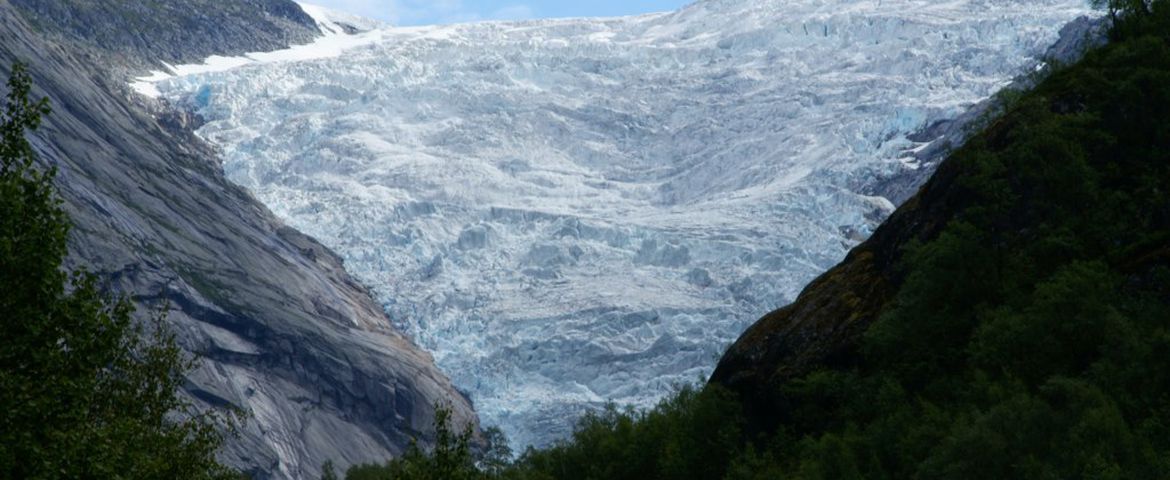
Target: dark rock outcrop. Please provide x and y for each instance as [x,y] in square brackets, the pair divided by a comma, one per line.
[283,331]
[140,34]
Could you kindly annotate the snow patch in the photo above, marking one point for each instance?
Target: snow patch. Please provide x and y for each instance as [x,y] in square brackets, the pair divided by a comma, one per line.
[340,32]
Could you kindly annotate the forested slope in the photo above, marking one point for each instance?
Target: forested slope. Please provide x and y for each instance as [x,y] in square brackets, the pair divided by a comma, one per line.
[1010,321]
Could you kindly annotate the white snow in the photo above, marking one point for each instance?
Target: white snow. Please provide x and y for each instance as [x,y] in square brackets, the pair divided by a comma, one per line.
[332,43]
[567,212]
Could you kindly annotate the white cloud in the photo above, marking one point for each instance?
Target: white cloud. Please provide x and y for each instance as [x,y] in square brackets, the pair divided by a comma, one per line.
[409,12]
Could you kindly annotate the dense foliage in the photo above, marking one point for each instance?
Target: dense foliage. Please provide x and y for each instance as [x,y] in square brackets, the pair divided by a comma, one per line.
[451,459]
[85,392]
[694,434]
[1030,339]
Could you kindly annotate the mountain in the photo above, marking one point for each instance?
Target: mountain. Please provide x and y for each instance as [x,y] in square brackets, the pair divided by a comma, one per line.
[569,212]
[283,332]
[824,324]
[143,34]
[1009,320]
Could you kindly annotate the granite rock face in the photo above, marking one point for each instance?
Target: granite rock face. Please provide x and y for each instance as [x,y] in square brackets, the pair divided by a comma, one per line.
[284,332]
[143,33]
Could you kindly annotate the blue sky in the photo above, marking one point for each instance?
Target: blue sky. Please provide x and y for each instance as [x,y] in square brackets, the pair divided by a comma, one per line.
[423,12]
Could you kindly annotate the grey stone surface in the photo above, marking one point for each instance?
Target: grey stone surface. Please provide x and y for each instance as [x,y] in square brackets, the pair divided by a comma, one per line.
[143,33]
[283,331]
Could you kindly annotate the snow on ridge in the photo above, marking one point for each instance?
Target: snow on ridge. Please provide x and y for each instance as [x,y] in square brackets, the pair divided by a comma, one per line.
[333,22]
[566,212]
[340,32]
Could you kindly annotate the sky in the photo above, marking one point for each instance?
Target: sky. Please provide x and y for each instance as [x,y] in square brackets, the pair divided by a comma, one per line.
[425,12]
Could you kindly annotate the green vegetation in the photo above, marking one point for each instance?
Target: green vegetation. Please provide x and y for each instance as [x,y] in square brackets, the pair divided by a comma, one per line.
[451,459]
[1029,340]
[694,434]
[85,392]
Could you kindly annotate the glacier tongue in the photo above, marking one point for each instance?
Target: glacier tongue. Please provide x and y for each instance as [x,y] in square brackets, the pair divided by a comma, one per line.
[571,212]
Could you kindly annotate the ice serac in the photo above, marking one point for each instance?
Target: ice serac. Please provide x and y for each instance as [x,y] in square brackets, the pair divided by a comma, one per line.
[570,212]
[283,332]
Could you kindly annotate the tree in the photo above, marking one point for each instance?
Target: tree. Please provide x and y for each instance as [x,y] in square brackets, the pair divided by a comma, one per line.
[1123,12]
[450,459]
[1126,7]
[85,391]
[497,455]
[327,471]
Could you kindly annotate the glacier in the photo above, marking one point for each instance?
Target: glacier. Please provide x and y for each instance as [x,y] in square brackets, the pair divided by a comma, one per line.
[573,212]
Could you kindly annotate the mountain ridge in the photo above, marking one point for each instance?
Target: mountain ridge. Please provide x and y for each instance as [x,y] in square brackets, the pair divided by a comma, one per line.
[852,294]
[1017,267]
[283,331]
[1009,321]
[547,204]
[132,35]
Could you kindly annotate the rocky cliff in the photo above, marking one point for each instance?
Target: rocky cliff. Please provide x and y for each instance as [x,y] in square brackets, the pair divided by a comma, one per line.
[142,34]
[284,333]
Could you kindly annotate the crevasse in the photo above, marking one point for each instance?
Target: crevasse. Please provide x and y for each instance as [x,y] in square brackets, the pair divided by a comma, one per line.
[571,212]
